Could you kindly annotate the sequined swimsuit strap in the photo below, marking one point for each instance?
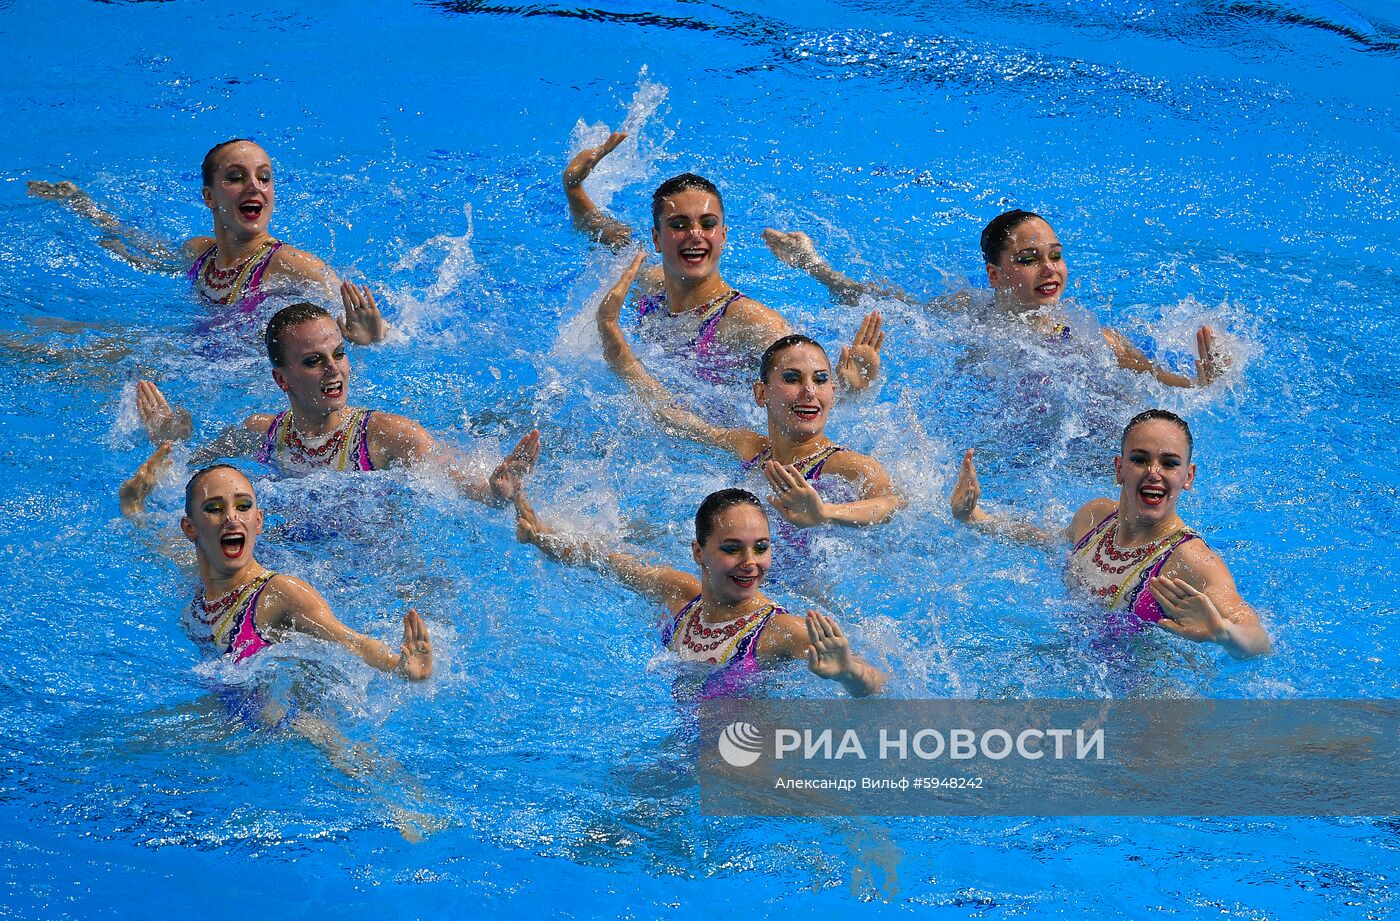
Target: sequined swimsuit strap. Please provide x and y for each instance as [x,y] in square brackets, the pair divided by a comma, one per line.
[193,273]
[669,630]
[276,432]
[709,321]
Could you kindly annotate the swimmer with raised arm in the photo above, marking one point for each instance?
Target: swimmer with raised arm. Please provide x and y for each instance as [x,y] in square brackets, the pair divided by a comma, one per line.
[319,429]
[241,608]
[796,457]
[1135,555]
[241,264]
[722,618]
[685,303]
[1026,267]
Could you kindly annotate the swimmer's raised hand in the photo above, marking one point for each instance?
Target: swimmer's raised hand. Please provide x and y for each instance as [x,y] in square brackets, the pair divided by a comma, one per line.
[416,653]
[161,421]
[1187,611]
[508,476]
[859,363]
[793,497]
[829,656]
[363,323]
[966,492]
[1214,360]
[795,248]
[585,160]
[610,307]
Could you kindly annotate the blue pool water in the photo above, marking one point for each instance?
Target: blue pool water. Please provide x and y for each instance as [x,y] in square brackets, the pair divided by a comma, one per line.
[1232,163]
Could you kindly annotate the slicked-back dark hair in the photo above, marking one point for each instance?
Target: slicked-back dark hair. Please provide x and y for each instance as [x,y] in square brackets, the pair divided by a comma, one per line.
[716,504]
[770,354]
[679,184]
[284,319]
[996,236]
[211,159]
[1166,415]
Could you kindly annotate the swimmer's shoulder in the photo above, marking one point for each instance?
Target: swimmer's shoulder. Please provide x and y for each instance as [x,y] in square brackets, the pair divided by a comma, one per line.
[285,596]
[857,467]
[299,265]
[1090,514]
[751,324]
[259,423]
[784,637]
[1195,562]
[195,247]
[396,439]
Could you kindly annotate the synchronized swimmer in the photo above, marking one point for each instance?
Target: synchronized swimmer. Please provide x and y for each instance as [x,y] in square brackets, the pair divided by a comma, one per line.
[721,619]
[319,429]
[685,304]
[796,389]
[1027,270]
[1134,555]
[241,264]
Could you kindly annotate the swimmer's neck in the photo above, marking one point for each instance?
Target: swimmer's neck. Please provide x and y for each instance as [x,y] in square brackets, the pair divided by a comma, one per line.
[1133,533]
[717,612]
[313,424]
[217,584]
[684,294]
[231,249]
[786,450]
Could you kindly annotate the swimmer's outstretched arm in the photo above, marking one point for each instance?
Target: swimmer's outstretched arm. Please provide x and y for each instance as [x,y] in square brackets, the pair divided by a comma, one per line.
[669,586]
[1200,602]
[132,497]
[141,249]
[819,640]
[397,440]
[967,491]
[797,250]
[1211,363]
[796,500]
[136,490]
[361,322]
[588,217]
[291,604]
[654,396]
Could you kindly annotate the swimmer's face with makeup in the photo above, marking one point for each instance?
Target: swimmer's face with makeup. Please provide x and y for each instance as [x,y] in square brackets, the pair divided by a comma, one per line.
[1153,470]
[736,556]
[798,393]
[315,370]
[223,520]
[690,234]
[242,196]
[1031,269]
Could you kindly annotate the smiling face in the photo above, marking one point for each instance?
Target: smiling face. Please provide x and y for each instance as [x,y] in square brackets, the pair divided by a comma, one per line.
[689,234]
[798,391]
[315,371]
[223,520]
[241,196]
[1153,470]
[1031,269]
[736,555]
